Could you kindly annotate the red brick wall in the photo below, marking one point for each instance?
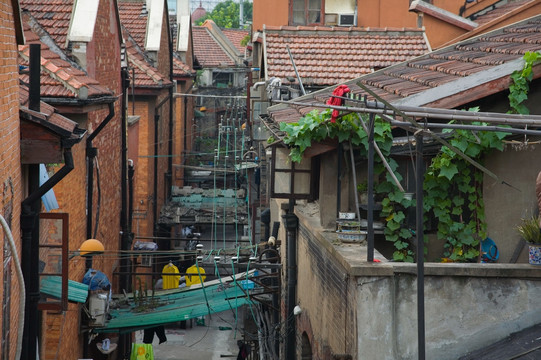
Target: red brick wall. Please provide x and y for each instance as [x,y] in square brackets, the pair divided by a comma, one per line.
[103,58]
[10,166]
[144,170]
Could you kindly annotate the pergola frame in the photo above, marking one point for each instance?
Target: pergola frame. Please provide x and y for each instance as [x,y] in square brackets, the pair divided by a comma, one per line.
[518,124]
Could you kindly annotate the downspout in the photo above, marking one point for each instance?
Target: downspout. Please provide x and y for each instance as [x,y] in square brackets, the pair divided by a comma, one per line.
[155,205]
[169,176]
[31,207]
[125,239]
[156,155]
[91,153]
[291,223]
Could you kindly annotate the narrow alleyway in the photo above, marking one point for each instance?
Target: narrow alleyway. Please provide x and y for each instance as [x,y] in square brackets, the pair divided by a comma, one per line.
[216,339]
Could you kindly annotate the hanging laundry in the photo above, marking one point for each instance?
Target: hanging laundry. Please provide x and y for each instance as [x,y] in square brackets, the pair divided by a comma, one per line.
[192,275]
[341,90]
[170,281]
[142,352]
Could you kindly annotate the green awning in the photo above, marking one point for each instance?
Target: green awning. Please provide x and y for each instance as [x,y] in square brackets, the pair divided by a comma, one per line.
[52,286]
[175,305]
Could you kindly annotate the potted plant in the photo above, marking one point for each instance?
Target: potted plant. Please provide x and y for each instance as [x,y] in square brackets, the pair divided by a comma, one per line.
[529,230]
[362,190]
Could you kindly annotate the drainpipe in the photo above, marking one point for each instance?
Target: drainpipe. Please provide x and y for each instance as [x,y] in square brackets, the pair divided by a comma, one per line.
[125,239]
[91,153]
[31,207]
[291,223]
[155,205]
[172,90]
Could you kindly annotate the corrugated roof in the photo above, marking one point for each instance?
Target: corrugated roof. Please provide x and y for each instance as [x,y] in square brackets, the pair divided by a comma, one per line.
[440,78]
[52,285]
[176,305]
[207,51]
[522,345]
[326,56]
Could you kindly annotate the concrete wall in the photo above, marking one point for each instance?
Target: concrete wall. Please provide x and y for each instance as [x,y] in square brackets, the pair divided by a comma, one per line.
[369,311]
[505,205]
[463,312]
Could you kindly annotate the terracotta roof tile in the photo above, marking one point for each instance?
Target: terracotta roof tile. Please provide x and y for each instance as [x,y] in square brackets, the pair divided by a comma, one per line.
[53,15]
[207,51]
[133,16]
[498,11]
[146,76]
[473,57]
[47,115]
[325,56]
[236,36]
[58,77]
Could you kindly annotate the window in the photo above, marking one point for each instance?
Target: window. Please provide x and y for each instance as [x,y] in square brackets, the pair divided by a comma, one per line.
[306,12]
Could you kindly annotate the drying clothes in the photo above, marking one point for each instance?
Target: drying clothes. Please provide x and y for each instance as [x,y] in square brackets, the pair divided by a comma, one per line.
[341,90]
[148,334]
[170,281]
[142,352]
[192,275]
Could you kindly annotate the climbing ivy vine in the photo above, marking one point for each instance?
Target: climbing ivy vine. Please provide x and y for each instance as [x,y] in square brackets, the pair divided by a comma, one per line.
[452,187]
[454,192]
[520,86]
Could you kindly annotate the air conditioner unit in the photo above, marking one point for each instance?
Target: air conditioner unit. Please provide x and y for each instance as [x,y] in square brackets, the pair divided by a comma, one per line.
[347,20]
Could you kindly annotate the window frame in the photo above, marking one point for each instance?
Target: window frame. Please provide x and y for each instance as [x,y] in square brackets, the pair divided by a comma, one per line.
[306,12]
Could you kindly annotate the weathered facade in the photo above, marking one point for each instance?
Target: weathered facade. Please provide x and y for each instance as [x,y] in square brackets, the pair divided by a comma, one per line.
[363,311]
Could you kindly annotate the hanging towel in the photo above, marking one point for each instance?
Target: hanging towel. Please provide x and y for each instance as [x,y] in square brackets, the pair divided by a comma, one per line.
[170,281]
[142,352]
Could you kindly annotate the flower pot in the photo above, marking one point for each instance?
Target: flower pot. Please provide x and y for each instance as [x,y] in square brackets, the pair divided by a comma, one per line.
[534,254]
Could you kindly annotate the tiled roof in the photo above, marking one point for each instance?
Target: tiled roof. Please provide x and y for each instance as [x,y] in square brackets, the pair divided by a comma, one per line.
[181,69]
[53,15]
[59,79]
[236,36]
[207,51]
[146,75]
[326,56]
[499,11]
[134,16]
[477,67]
[47,116]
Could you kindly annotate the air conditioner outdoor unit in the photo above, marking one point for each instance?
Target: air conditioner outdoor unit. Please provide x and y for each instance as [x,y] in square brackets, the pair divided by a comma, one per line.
[347,20]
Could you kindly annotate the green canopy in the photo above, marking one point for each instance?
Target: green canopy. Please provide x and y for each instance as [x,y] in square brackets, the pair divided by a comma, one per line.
[175,305]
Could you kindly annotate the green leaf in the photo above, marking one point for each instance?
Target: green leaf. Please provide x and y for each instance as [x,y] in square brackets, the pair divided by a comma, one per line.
[449,171]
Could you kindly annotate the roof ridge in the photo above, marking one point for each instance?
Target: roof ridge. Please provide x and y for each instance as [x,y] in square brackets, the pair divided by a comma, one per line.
[273,28]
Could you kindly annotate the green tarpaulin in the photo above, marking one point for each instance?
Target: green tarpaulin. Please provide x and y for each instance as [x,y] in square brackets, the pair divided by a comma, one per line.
[174,305]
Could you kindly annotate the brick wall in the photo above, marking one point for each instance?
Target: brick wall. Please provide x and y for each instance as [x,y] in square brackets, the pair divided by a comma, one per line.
[327,297]
[10,166]
[144,170]
[103,58]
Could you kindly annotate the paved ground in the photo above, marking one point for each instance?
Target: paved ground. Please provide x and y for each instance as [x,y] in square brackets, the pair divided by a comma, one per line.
[199,342]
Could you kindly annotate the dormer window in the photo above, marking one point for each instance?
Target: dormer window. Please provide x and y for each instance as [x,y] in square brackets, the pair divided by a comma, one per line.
[306,12]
